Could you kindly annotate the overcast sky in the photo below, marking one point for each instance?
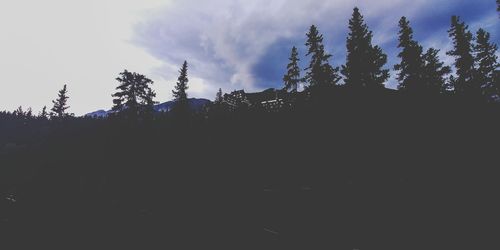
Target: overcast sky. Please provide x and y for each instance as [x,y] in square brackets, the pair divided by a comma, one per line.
[230,44]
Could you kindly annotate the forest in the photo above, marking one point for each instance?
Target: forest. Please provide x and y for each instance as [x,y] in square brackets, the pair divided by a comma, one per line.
[344,162]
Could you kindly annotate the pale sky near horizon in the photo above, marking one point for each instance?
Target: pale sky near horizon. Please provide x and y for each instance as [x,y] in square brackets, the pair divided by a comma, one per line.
[230,44]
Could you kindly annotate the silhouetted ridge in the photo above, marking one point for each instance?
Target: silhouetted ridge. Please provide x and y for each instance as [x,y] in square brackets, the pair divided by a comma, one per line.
[195,104]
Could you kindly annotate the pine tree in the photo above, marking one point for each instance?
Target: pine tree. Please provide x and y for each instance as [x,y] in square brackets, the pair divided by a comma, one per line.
[19,112]
[434,72]
[29,113]
[487,63]
[60,104]
[411,65]
[364,61]
[450,85]
[292,77]
[218,98]
[43,114]
[464,60]
[134,96]
[319,72]
[498,5]
[180,96]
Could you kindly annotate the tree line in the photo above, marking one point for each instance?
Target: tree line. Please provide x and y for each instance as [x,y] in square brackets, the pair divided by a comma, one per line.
[476,63]
[476,67]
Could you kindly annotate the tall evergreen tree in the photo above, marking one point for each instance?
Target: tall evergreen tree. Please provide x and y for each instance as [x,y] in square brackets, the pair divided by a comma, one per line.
[292,77]
[487,63]
[434,72]
[180,96]
[498,5]
[43,114]
[464,60]
[60,104]
[319,72]
[364,62]
[411,66]
[218,97]
[134,96]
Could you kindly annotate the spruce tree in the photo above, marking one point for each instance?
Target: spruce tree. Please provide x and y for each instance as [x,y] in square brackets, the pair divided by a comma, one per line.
[29,113]
[464,60]
[411,65]
[60,104]
[434,72]
[218,97]
[181,104]
[19,112]
[43,114]
[319,72]
[292,77]
[364,62]
[134,96]
[487,63]
[451,83]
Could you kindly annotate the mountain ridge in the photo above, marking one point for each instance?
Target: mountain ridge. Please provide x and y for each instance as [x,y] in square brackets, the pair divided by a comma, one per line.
[196,104]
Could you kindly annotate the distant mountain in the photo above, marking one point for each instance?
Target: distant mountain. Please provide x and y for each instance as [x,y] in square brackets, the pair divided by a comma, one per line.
[194,103]
[98,114]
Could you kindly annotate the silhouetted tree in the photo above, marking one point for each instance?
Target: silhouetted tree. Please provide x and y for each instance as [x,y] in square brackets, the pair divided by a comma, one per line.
[60,104]
[181,104]
[134,96]
[464,60]
[498,5]
[487,63]
[43,114]
[364,61]
[319,72]
[434,72]
[29,113]
[218,107]
[292,77]
[218,98]
[411,66]
[496,80]
[19,112]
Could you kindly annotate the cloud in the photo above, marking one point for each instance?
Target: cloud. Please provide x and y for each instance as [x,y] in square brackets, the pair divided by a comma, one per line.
[237,44]
[85,44]
[226,41]
[231,44]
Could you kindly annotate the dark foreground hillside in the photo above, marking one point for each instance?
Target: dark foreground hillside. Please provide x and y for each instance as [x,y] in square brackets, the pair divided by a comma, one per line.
[342,171]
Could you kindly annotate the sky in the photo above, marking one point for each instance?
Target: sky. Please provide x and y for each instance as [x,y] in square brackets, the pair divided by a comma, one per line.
[229,44]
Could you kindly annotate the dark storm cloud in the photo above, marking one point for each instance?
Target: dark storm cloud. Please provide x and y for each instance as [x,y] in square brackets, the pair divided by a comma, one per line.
[246,44]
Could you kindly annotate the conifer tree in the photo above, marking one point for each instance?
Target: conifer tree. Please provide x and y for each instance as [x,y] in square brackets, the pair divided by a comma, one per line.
[60,104]
[19,111]
[319,72]
[29,113]
[43,114]
[434,72]
[464,60]
[218,98]
[411,65]
[180,96]
[364,62]
[292,77]
[134,96]
[487,63]
[450,85]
